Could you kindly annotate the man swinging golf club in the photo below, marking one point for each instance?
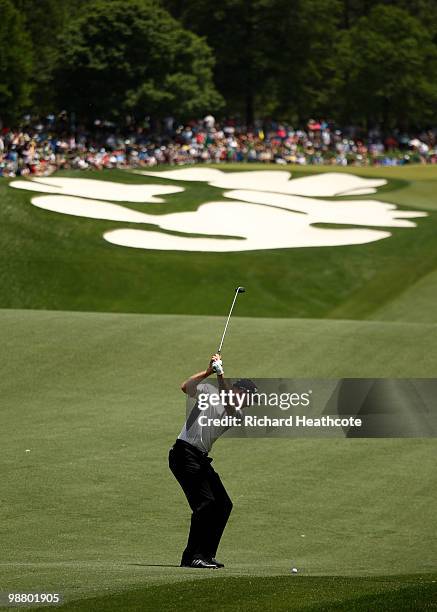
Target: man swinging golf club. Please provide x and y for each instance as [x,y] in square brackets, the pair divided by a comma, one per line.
[191,465]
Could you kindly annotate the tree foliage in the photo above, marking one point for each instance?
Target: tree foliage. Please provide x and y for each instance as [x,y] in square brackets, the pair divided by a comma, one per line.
[44,22]
[365,61]
[387,69]
[120,57]
[271,54]
[351,60]
[15,62]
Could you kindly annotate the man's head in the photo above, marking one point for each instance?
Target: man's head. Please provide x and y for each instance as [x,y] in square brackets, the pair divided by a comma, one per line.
[244,388]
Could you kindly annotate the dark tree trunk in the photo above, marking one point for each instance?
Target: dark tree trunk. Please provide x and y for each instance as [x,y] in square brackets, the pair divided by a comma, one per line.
[249,95]
[249,105]
[346,20]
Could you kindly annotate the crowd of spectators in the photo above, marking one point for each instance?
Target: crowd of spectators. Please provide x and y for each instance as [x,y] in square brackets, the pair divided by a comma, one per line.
[41,147]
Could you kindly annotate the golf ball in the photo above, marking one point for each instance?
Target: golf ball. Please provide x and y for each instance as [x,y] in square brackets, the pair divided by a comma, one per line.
[294,570]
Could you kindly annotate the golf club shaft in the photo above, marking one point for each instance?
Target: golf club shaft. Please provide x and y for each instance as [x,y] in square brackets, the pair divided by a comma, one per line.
[227,321]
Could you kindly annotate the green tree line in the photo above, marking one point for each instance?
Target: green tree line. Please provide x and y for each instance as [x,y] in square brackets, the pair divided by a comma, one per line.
[352,61]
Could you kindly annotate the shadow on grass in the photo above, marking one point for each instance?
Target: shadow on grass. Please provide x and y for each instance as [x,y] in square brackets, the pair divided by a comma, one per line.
[153,565]
[278,593]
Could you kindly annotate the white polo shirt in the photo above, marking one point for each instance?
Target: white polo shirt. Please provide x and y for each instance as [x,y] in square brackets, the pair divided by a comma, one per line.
[203,437]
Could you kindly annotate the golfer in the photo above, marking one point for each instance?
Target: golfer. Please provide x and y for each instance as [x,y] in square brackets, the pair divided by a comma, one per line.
[191,465]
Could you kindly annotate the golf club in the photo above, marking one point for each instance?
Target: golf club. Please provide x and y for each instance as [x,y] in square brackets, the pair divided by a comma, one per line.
[237,291]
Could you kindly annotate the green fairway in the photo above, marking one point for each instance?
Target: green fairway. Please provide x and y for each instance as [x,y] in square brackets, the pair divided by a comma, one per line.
[57,261]
[92,509]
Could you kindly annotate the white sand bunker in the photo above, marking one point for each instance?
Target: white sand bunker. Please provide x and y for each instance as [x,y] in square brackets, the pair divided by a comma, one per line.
[243,225]
[252,226]
[343,212]
[265,212]
[92,209]
[329,184]
[91,188]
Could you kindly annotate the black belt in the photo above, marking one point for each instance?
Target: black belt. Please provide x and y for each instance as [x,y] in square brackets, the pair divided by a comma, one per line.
[191,447]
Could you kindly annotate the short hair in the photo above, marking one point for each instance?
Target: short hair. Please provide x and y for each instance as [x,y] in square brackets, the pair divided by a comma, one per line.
[246,385]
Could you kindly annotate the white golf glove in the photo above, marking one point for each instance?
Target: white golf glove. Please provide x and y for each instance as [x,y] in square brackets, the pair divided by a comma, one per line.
[217,366]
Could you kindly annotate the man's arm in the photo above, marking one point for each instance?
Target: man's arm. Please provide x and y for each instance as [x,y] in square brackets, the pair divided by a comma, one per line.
[224,389]
[222,383]
[190,385]
[224,386]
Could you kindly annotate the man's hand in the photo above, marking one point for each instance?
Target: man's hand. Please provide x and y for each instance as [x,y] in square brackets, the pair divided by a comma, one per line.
[216,365]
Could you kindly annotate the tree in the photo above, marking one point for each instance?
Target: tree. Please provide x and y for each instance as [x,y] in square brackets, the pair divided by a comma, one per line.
[234,30]
[303,35]
[424,10]
[387,69]
[272,56]
[15,62]
[45,21]
[131,56]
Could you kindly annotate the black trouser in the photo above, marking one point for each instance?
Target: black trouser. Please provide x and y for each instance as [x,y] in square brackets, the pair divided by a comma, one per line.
[206,495]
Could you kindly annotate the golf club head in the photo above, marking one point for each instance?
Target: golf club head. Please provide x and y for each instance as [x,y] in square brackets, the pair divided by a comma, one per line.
[241,289]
